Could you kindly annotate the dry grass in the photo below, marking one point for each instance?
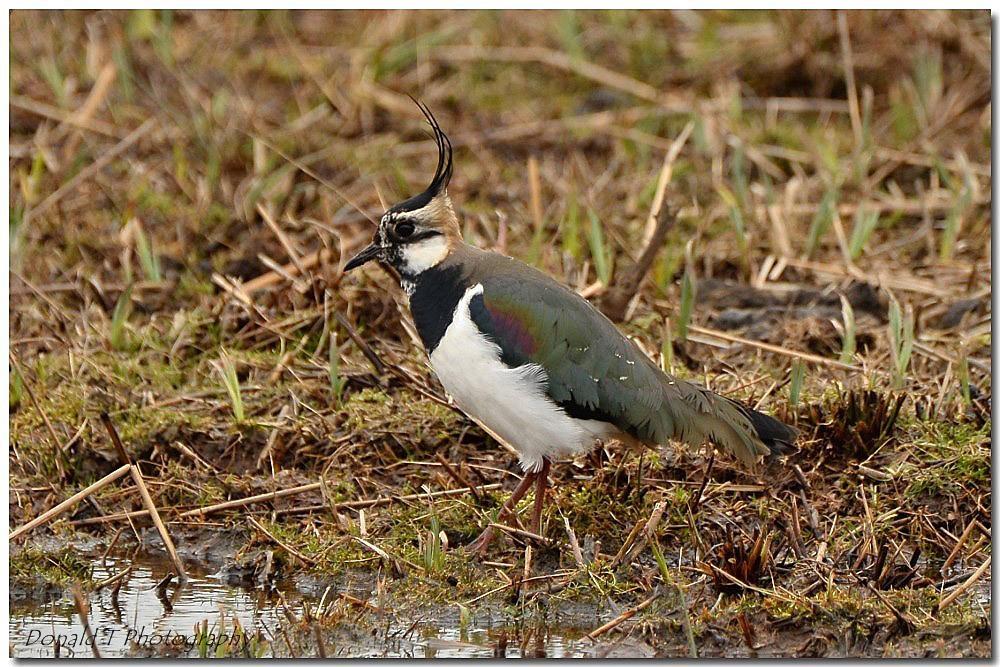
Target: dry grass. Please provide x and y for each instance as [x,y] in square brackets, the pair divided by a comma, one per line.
[185,187]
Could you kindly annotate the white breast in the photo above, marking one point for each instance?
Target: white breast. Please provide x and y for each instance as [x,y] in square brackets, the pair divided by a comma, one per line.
[511,402]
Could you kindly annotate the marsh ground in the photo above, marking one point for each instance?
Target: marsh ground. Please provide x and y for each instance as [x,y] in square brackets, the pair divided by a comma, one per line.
[186,185]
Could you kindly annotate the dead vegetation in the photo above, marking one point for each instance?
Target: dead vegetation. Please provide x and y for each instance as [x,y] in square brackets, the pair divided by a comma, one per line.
[186,185]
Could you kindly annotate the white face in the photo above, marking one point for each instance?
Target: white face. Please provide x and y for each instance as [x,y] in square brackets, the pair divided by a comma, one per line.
[409,244]
[419,256]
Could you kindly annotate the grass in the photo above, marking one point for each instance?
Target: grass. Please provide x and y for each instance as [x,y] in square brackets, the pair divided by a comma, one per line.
[849,331]
[148,259]
[901,339]
[688,296]
[118,336]
[60,567]
[865,222]
[599,252]
[821,221]
[117,301]
[227,372]
[796,382]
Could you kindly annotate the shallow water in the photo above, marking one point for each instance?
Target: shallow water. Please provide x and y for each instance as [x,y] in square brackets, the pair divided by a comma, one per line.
[142,622]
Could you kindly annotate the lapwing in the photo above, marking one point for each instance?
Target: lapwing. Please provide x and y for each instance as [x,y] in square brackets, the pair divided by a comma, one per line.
[534,362]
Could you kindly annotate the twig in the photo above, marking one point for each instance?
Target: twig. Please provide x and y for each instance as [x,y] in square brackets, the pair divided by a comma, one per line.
[748,635]
[263,497]
[386,500]
[704,482]
[97,95]
[627,544]
[291,269]
[358,602]
[92,169]
[900,616]
[896,281]
[265,452]
[929,351]
[305,559]
[83,611]
[240,502]
[301,166]
[282,238]
[193,455]
[750,587]
[525,534]
[488,593]
[55,113]
[852,91]
[966,585]
[574,545]
[233,288]
[648,531]
[615,300]
[389,558]
[624,616]
[319,641]
[161,585]
[363,345]
[458,476]
[161,592]
[958,545]
[147,499]
[526,580]
[805,356]
[69,502]
[111,545]
[113,579]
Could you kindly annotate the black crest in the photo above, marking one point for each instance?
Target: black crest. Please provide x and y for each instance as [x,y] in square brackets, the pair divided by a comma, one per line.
[442,175]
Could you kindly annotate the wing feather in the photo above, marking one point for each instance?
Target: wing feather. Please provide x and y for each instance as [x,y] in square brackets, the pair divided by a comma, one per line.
[594,372]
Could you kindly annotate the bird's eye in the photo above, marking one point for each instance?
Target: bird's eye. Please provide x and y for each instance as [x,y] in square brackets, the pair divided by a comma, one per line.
[404,229]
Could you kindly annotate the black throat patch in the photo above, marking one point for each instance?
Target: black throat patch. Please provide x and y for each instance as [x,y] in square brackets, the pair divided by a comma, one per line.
[436,293]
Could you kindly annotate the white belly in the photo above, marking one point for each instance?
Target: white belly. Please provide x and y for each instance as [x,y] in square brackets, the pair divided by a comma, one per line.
[510,402]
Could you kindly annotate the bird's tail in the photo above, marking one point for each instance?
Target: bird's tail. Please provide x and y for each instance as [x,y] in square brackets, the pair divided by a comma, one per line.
[736,428]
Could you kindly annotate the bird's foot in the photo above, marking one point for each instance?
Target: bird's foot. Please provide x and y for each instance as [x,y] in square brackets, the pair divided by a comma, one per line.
[481,544]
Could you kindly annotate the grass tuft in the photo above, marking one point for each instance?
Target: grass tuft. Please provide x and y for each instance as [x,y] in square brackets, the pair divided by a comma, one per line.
[865,222]
[821,221]
[849,336]
[796,381]
[227,372]
[689,291]
[900,340]
[148,259]
[118,335]
[600,254]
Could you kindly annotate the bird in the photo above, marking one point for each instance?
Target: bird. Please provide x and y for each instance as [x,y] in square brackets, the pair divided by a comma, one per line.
[533,362]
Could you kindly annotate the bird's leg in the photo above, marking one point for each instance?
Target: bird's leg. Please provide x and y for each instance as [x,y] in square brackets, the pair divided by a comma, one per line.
[482,543]
[541,482]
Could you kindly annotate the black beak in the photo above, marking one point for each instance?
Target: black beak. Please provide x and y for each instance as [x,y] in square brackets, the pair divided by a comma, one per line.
[363,257]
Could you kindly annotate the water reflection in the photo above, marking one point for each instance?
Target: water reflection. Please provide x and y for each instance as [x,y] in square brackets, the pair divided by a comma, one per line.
[145,615]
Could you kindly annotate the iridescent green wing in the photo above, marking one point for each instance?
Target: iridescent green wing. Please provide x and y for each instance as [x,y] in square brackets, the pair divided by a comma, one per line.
[593,371]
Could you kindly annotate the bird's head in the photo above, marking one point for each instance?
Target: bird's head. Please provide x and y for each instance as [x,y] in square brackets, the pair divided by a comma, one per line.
[417,234]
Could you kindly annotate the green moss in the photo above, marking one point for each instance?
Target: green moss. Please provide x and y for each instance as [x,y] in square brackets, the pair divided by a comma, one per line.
[947,458]
[64,566]
[427,423]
